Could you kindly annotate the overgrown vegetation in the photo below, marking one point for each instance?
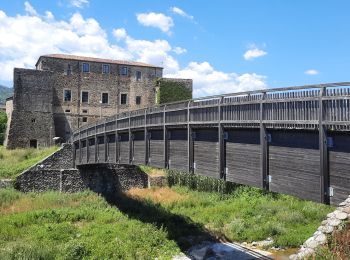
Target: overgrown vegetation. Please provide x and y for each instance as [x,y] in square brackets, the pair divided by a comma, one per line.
[75,226]
[237,212]
[152,171]
[3,123]
[13,162]
[172,91]
[200,183]
[338,246]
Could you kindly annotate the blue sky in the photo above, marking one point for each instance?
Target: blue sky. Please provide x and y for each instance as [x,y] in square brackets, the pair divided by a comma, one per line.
[225,46]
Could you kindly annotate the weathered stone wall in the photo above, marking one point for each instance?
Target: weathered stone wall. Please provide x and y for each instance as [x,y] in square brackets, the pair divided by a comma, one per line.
[32,117]
[9,110]
[104,179]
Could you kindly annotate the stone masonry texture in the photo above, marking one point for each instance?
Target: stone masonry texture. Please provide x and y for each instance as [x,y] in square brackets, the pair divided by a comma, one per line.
[40,111]
[56,173]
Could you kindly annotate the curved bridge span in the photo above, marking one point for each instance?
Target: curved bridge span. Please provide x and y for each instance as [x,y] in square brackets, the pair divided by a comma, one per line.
[289,140]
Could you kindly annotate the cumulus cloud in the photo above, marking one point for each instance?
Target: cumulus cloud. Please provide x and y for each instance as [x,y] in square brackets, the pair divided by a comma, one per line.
[311,72]
[253,52]
[119,33]
[23,38]
[156,20]
[79,3]
[29,9]
[177,10]
[209,81]
[179,50]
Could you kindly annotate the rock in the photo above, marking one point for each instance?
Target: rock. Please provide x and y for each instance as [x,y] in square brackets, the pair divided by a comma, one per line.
[334,222]
[347,210]
[321,238]
[328,229]
[343,204]
[324,222]
[311,243]
[254,243]
[341,215]
[329,215]
[293,257]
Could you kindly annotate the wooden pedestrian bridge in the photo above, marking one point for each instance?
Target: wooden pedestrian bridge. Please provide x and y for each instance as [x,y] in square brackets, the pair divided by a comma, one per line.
[292,140]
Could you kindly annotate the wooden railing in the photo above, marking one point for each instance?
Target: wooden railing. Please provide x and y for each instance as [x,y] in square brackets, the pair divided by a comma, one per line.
[323,108]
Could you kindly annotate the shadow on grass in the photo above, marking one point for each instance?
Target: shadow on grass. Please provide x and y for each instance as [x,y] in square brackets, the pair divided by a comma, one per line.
[180,229]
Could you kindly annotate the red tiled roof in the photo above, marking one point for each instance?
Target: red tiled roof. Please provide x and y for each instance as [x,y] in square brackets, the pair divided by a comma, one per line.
[91,59]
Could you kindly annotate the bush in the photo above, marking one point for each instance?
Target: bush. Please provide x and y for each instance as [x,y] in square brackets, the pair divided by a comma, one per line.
[3,123]
[170,91]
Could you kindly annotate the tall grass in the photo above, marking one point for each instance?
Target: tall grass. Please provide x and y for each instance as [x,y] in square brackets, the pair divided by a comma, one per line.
[199,183]
[75,226]
[13,162]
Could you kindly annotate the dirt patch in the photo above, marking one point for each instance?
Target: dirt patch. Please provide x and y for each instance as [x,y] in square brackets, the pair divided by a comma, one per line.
[161,195]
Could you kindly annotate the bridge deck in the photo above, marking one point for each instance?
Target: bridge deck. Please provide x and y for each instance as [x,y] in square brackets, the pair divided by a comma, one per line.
[289,140]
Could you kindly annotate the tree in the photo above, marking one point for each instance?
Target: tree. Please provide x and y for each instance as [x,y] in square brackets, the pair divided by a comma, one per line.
[3,122]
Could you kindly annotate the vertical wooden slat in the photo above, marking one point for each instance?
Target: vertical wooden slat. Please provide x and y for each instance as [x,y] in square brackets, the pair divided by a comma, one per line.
[263,146]
[323,152]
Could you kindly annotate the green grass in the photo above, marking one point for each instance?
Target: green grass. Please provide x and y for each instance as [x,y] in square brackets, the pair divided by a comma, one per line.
[13,162]
[249,214]
[75,226]
[241,213]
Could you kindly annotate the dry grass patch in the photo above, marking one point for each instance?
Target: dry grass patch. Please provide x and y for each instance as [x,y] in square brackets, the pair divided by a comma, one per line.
[34,201]
[159,195]
[152,171]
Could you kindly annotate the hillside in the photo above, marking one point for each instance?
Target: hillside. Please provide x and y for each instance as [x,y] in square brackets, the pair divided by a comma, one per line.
[5,92]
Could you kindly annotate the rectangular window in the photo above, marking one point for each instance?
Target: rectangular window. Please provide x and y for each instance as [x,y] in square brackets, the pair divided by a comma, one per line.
[67,110]
[84,119]
[123,71]
[138,100]
[85,97]
[105,68]
[85,111]
[69,69]
[123,99]
[138,75]
[86,67]
[104,98]
[67,95]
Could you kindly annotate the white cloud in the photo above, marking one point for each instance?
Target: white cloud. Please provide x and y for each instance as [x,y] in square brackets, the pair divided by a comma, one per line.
[23,38]
[311,72]
[29,9]
[157,20]
[181,12]
[208,81]
[119,33]
[253,52]
[179,50]
[79,3]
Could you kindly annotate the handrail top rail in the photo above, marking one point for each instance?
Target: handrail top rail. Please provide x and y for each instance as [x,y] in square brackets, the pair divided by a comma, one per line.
[242,93]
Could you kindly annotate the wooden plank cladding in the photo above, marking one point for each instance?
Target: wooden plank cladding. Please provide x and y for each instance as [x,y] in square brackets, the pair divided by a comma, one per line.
[294,164]
[206,152]
[138,148]
[91,151]
[101,153]
[339,166]
[111,148]
[178,158]
[290,140]
[124,148]
[156,148]
[243,157]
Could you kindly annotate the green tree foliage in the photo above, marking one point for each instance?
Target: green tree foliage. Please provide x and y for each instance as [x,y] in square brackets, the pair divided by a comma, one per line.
[172,91]
[3,122]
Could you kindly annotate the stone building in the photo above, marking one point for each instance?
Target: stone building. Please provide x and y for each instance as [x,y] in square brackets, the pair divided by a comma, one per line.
[65,92]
